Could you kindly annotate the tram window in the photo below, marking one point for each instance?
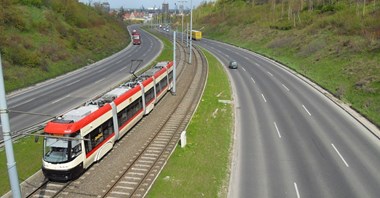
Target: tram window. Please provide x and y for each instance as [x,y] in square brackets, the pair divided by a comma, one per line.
[130,111]
[158,88]
[162,84]
[171,76]
[96,137]
[107,128]
[149,95]
[122,116]
[76,150]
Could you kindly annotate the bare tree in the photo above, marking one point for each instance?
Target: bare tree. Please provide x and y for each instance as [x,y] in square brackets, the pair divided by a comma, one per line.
[364,3]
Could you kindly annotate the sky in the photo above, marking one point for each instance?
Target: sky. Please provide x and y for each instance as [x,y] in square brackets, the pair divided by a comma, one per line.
[147,3]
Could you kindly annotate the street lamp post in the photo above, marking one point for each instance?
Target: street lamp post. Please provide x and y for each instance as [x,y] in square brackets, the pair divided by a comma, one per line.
[174,64]
[182,16]
[11,163]
[191,28]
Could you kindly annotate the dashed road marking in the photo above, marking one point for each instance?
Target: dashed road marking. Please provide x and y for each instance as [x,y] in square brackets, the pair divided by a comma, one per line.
[341,157]
[278,131]
[265,100]
[307,111]
[55,101]
[287,89]
[296,189]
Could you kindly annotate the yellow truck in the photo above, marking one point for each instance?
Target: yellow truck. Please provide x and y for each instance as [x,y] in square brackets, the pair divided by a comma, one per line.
[196,35]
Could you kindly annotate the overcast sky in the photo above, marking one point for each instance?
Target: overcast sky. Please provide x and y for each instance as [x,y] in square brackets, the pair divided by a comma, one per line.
[146,3]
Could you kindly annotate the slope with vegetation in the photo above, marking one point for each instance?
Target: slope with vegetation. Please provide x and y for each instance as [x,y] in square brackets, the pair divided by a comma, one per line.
[40,39]
[334,43]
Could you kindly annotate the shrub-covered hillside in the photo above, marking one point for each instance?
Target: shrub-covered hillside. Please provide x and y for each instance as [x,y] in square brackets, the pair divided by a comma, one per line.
[40,39]
[334,43]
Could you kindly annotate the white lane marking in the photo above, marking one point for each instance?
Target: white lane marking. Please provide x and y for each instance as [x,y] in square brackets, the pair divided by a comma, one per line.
[246,58]
[122,69]
[55,101]
[99,80]
[264,97]
[341,157]
[67,85]
[278,131]
[253,80]
[227,56]
[296,188]
[306,110]
[258,64]
[287,89]
[23,102]
[270,74]
[243,69]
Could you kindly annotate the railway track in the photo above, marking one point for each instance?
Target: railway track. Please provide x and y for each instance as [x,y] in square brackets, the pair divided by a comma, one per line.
[48,189]
[140,172]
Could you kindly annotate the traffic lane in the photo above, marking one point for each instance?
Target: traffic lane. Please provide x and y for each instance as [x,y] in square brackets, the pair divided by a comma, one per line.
[343,195]
[347,138]
[58,81]
[76,78]
[290,122]
[301,89]
[259,171]
[337,125]
[121,57]
[305,149]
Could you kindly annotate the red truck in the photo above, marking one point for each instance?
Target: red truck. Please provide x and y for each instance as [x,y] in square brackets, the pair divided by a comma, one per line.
[136,40]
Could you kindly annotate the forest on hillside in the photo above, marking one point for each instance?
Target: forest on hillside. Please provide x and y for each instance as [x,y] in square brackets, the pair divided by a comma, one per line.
[335,43]
[40,39]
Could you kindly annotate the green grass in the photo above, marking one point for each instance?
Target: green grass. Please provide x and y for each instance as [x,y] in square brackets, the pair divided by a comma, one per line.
[28,157]
[201,169]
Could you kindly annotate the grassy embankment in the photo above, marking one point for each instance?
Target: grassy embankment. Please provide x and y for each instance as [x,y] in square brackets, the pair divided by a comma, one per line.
[201,169]
[43,39]
[28,154]
[336,45]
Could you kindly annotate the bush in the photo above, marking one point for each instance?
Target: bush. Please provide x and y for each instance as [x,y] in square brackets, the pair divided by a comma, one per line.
[13,18]
[36,3]
[312,47]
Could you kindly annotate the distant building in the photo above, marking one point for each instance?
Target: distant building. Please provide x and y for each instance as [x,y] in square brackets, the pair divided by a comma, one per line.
[165,12]
[134,15]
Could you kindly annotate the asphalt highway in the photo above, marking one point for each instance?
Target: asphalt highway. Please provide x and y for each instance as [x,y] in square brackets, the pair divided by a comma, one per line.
[34,105]
[290,139]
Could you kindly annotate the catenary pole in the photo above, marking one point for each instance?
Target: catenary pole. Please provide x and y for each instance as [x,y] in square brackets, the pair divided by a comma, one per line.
[182,27]
[11,164]
[174,64]
[191,29]
[187,35]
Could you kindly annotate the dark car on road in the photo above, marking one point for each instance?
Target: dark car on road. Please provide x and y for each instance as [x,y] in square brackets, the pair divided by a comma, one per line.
[233,65]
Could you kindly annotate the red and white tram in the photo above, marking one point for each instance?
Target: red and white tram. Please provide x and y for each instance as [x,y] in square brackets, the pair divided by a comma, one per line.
[84,135]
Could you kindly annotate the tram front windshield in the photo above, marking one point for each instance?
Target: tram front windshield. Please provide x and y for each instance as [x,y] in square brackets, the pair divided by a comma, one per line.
[56,150]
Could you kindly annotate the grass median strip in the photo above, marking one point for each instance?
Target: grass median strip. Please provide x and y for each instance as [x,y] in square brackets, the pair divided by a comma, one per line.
[201,169]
